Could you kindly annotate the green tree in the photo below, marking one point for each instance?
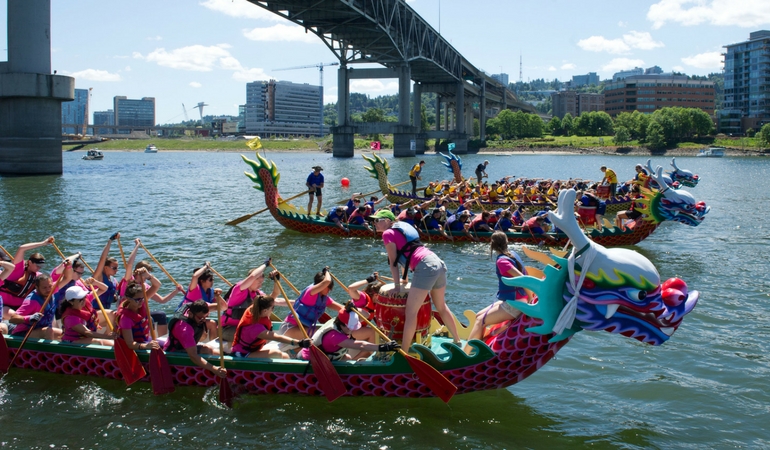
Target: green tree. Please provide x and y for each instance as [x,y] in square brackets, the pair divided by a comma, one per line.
[423,117]
[622,135]
[656,138]
[373,115]
[554,126]
[566,124]
[764,134]
[476,127]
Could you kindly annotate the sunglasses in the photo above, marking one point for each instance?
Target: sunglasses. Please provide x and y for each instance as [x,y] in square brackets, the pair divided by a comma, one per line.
[113,267]
[79,273]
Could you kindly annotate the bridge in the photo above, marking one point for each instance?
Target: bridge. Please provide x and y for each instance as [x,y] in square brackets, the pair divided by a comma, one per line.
[390,33]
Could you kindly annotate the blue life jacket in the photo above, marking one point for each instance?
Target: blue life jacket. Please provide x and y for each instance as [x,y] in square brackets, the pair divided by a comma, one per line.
[505,292]
[309,314]
[404,254]
[109,296]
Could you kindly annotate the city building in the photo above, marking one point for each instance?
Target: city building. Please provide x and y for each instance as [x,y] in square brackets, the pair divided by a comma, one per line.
[501,77]
[283,108]
[104,118]
[73,113]
[585,80]
[627,73]
[575,103]
[746,102]
[134,113]
[648,93]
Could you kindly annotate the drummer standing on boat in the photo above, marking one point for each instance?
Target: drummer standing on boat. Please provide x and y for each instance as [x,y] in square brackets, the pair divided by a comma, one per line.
[404,248]
[481,171]
[611,178]
[314,183]
[414,175]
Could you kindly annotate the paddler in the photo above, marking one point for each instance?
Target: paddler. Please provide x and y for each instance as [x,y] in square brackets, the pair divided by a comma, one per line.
[133,326]
[255,329]
[78,319]
[185,332]
[402,243]
[21,281]
[202,288]
[106,271]
[241,297]
[311,304]
[29,315]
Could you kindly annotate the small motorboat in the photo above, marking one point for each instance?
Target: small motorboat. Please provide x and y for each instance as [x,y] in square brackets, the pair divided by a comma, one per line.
[151,148]
[93,155]
[712,152]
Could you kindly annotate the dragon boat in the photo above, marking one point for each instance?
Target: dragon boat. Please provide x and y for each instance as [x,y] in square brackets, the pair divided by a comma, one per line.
[658,206]
[594,288]
[379,169]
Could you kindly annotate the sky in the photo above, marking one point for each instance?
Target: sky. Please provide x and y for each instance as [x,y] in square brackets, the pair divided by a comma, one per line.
[191,51]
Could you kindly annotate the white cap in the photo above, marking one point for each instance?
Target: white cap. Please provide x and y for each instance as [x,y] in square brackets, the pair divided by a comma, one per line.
[75,292]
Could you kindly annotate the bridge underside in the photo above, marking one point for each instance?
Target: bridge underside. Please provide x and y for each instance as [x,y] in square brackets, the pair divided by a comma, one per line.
[390,33]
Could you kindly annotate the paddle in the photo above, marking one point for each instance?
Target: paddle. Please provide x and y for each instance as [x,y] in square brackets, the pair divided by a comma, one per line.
[122,255]
[64,257]
[225,393]
[32,326]
[160,371]
[436,382]
[229,284]
[249,216]
[6,252]
[328,379]
[128,363]
[296,291]
[374,192]
[163,269]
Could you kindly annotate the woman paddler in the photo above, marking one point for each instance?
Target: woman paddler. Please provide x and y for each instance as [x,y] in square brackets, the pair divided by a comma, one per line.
[402,243]
[6,267]
[185,332]
[29,315]
[310,305]
[202,288]
[133,326]
[77,319]
[21,281]
[335,338]
[255,329]
[241,296]
[106,272]
[508,264]
[70,274]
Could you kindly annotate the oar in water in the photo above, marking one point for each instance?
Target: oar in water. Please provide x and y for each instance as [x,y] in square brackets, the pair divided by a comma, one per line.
[128,363]
[249,216]
[160,372]
[32,326]
[328,379]
[225,393]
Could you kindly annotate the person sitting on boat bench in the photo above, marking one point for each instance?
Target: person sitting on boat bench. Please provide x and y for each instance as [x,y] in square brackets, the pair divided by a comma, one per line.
[310,305]
[28,314]
[131,319]
[185,332]
[241,296]
[337,216]
[255,329]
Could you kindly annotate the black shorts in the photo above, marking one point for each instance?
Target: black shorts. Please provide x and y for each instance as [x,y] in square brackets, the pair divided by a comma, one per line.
[316,192]
[633,214]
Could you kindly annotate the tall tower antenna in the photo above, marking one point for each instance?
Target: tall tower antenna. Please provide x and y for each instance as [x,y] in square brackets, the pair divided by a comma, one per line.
[521,78]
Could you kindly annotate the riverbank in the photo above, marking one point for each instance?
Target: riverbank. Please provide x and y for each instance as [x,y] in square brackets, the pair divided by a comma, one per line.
[633,151]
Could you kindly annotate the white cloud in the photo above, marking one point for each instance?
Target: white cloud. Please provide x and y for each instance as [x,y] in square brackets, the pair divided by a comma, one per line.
[195,84]
[641,40]
[95,75]
[137,55]
[127,69]
[678,69]
[240,9]
[602,44]
[197,58]
[154,38]
[743,13]
[568,66]
[249,75]
[622,24]
[708,60]
[281,32]
[374,87]
[619,64]
[552,69]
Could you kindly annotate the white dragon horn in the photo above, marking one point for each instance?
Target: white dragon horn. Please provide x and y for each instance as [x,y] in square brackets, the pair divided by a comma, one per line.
[564,218]
[657,175]
[673,164]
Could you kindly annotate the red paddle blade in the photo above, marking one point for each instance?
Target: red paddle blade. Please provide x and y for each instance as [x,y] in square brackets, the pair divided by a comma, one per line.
[439,384]
[4,361]
[160,373]
[128,363]
[225,393]
[328,379]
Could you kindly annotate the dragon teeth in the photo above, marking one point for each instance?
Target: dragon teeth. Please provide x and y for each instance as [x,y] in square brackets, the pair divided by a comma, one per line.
[668,331]
[611,310]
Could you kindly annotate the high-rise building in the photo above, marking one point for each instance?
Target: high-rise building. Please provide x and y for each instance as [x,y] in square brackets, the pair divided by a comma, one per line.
[585,80]
[747,84]
[74,112]
[648,93]
[134,113]
[617,76]
[283,108]
[104,118]
[575,103]
[501,77]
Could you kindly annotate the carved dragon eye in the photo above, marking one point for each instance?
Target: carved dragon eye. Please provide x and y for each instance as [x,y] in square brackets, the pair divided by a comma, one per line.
[636,294]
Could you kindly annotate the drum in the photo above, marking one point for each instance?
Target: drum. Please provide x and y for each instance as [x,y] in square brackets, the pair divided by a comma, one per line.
[587,215]
[603,191]
[389,310]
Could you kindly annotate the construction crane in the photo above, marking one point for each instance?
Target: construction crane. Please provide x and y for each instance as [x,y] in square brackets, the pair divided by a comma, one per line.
[320,83]
[200,106]
[85,115]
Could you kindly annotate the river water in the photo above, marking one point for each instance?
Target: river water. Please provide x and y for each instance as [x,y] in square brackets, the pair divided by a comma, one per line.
[705,388]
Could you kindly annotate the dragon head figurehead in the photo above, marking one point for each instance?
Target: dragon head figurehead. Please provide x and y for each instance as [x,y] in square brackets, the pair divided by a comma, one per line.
[379,168]
[682,176]
[596,288]
[669,204]
[455,166]
[265,178]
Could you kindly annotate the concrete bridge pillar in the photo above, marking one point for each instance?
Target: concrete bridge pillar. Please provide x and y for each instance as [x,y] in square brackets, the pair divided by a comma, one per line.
[419,138]
[438,113]
[459,137]
[343,134]
[404,137]
[483,112]
[30,97]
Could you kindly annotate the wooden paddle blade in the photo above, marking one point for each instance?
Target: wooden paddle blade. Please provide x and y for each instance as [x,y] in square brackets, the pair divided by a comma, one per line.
[225,393]
[160,373]
[128,363]
[439,384]
[4,361]
[328,379]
